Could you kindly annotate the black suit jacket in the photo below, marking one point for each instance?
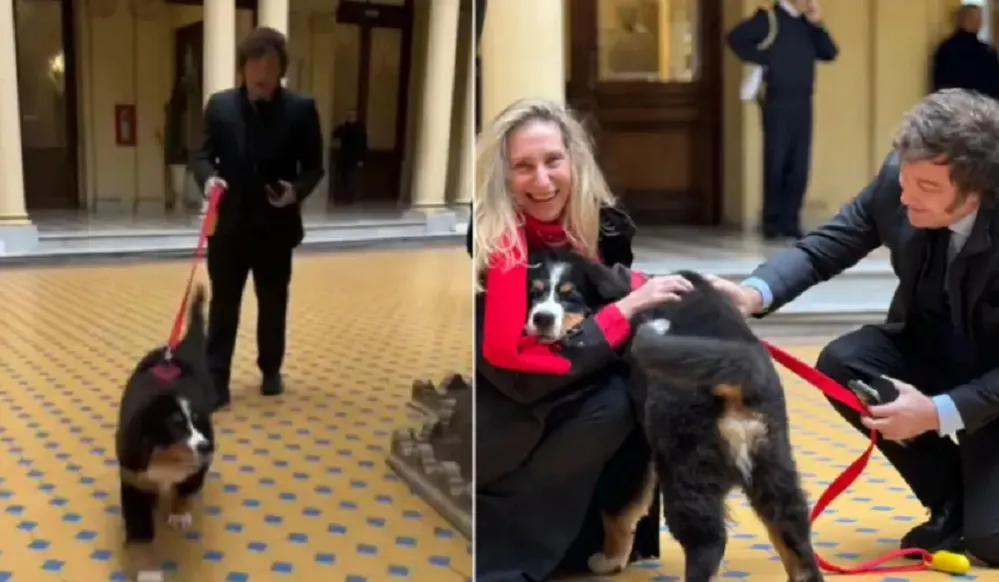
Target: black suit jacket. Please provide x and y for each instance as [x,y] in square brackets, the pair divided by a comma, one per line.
[876,217]
[298,143]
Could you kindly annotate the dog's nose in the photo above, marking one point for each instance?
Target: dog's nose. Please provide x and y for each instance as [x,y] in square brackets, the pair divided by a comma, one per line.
[204,448]
[543,319]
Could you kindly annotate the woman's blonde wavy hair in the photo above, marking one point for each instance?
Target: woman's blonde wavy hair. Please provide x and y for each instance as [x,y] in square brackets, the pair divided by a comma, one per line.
[496,218]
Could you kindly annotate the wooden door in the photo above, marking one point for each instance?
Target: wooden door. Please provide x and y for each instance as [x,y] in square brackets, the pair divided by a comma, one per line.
[46,71]
[646,75]
[382,89]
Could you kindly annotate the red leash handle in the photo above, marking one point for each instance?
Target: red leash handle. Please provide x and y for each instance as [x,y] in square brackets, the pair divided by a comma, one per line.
[834,390]
[207,229]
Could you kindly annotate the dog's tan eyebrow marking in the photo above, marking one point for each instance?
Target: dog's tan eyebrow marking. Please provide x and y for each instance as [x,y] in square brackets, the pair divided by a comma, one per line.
[566,288]
[537,284]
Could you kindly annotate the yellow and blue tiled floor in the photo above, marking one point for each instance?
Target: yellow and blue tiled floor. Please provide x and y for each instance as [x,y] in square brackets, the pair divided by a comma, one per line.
[299,488]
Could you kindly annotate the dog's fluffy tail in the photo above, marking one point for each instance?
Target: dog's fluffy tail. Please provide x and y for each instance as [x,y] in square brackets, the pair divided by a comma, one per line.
[697,360]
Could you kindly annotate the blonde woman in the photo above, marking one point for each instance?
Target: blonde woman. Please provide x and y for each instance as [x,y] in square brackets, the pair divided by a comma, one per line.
[550,426]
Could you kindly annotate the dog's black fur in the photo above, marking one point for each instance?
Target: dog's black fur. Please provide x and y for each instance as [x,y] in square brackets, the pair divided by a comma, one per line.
[164,439]
[713,408]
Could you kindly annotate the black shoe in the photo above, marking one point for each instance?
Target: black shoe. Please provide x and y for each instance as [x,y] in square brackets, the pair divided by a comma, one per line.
[272,385]
[943,531]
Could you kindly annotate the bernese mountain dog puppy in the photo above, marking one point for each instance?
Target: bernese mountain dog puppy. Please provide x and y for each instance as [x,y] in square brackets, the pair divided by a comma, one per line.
[164,440]
[712,406]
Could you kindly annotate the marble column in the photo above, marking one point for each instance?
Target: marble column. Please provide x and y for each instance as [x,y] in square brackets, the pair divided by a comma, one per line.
[522,53]
[219,64]
[466,150]
[17,233]
[429,178]
[273,14]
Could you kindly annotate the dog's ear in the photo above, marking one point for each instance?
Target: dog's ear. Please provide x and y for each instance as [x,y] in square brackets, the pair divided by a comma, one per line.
[609,283]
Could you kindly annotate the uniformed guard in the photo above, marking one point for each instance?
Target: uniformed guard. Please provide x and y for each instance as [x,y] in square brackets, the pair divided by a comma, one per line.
[785,40]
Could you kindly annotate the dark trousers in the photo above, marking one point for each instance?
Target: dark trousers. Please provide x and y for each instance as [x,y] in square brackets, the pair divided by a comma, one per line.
[348,182]
[230,262]
[526,522]
[935,468]
[787,152]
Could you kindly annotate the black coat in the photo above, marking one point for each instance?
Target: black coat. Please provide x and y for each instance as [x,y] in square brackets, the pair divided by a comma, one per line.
[509,426]
[962,61]
[293,152]
[876,217]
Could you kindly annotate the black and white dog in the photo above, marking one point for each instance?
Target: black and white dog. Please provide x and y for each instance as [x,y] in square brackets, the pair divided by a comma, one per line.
[712,406]
[164,439]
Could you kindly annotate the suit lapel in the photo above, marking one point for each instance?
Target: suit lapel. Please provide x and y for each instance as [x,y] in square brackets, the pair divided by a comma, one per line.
[238,108]
[914,250]
[977,263]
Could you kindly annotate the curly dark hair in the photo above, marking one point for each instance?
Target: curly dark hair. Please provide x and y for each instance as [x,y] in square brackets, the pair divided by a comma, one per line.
[958,128]
[258,43]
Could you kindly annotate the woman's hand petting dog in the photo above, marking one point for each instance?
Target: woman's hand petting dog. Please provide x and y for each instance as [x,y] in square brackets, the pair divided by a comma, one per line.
[654,292]
[906,417]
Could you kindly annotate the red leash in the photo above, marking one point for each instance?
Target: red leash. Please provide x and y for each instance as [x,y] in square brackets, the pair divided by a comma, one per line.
[834,390]
[207,229]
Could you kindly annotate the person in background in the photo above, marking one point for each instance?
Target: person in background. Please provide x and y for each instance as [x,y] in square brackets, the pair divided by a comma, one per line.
[352,139]
[264,145]
[963,61]
[800,39]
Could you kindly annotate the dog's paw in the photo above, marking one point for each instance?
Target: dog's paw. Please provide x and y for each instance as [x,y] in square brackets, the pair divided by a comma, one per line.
[601,564]
[150,576]
[181,521]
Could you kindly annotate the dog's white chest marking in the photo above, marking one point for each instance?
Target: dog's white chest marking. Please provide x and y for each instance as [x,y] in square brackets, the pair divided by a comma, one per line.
[549,304]
[195,441]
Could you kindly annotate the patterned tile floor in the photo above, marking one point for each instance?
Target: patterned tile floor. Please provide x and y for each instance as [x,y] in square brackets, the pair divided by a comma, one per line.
[865,522]
[299,488]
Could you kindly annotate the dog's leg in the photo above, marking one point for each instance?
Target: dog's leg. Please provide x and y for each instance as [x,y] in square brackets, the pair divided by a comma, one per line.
[779,502]
[180,506]
[694,505]
[137,509]
[619,529]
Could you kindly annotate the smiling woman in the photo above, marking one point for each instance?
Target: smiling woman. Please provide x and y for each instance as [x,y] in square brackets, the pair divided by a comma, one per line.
[551,423]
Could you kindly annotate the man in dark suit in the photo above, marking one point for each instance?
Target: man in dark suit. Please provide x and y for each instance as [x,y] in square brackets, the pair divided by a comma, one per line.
[963,61]
[786,39]
[935,205]
[264,145]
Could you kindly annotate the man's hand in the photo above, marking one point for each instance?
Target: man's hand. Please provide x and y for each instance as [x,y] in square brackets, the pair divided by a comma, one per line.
[747,299]
[284,196]
[813,13]
[906,417]
[212,183]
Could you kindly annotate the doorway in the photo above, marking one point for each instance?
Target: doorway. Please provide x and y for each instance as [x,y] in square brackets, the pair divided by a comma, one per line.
[372,64]
[46,82]
[184,114]
[646,75]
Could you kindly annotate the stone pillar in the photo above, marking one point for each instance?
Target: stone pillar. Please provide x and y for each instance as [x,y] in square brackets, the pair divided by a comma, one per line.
[429,183]
[466,150]
[273,14]
[17,234]
[219,65]
[522,53]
